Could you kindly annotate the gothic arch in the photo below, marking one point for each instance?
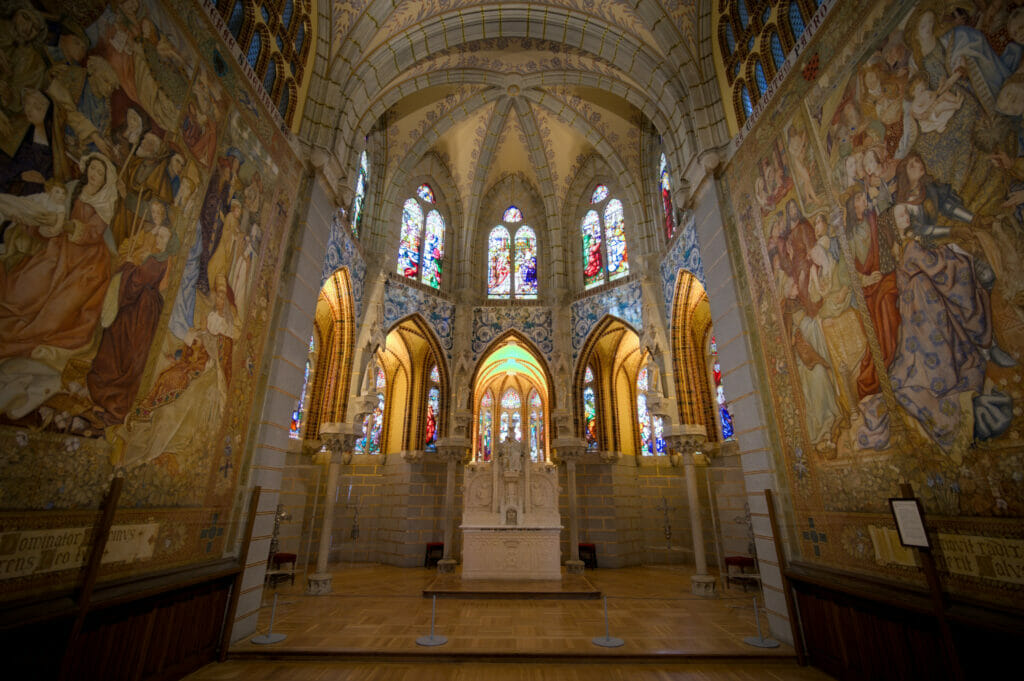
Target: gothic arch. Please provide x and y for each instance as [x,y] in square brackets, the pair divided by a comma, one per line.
[334,328]
[690,329]
[411,348]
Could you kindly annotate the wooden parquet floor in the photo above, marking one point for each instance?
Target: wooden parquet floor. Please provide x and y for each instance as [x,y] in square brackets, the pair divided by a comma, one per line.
[368,628]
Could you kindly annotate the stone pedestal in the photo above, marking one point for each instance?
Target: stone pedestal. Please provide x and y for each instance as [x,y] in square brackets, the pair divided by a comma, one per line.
[318,584]
[702,585]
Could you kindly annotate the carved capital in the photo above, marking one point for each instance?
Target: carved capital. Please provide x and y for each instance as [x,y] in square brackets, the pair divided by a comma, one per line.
[686,438]
[340,439]
[568,449]
[455,449]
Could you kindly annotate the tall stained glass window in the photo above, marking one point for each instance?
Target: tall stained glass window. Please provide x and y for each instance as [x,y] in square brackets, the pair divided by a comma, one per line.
[590,410]
[536,427]
[511,419]
[512,262]
[485,428]
[652,428]
[433,410]
[665,184]
[796,20]
[417,234]
[603,232]
[724,416]
[295,429]
[369,443]
[358,203]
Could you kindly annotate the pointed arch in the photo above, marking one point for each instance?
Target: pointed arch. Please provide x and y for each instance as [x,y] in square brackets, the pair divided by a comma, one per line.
[612,352]
[411,351]
[691,327]
[334,331]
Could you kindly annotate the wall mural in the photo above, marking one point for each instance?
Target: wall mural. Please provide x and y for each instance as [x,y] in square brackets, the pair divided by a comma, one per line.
[624,302]
[402,300]
[533,322]
[684,255]
[342,252]
[142,222]
[878,210]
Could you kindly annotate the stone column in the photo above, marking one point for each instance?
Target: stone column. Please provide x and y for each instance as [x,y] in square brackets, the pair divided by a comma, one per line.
[339,440]
[569,450]
[452,451]
[685,439]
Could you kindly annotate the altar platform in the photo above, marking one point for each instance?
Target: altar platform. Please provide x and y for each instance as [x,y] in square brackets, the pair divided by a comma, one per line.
[569,587]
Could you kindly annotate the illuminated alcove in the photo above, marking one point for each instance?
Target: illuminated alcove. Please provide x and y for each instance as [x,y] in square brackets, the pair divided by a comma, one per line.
[511,398]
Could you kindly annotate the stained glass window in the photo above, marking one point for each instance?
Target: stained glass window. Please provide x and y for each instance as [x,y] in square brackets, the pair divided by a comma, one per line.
[413,264]
[295,429]
[607,248]
[499,280]
[357,203]
[778,56]
[373,424]
[512,215]
[237,19]
[271,78]
[433,411]
[643,417]
[600,194]
[615,238]
[593,272]
[748,106]
[666,197]
[286,15]
[517,426]
[744,15]
[435,375]
[725,417]
[730,39]
[300,39]
[766,14]
[762,82]
[526,263]
[659,435]
[503,427]
[536,427]
[485,430]
[510,400]
[409,244]
[255,45]
[433,250]
[590,410]
[796,20]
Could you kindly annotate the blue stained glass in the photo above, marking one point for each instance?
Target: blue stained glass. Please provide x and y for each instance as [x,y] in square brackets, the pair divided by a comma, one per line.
[750,44]
[280,43]
[357,202]
[762,82]
[265,13]
[615,239]
[736,69]
[590,417]
[644,420]
[286,15]
[425,193]
[659,435]
[526,263]
[727,431]
[766,15]
[730,39]
[796,20]
[300,39]
[778,56]
[255,45]
[748,106]
[271,77]
[433,250]
[741,7]
[512,215]
[237,19]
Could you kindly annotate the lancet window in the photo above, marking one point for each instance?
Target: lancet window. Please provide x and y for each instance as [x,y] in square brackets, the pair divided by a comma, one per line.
[652,428]
[485,428]
[536,426]
[359,202]
[298,415]
[433,409]
[724,416]
[603,232]
[421,243]
[512,261]
[590,410]
[665,186]
[369,443]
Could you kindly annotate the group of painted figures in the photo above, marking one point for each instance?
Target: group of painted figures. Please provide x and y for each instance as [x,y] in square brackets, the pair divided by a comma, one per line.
[927,146]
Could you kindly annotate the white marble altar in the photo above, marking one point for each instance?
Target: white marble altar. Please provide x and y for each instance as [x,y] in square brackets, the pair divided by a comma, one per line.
[510,522]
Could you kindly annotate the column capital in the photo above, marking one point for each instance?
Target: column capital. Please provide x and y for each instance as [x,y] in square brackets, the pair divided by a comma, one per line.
[340,439]
[455,449]
[568,449]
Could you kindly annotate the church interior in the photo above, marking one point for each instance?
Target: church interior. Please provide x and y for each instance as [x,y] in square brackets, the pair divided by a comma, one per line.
[338,316]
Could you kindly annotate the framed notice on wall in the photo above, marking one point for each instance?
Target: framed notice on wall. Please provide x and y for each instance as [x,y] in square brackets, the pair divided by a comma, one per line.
[909,522]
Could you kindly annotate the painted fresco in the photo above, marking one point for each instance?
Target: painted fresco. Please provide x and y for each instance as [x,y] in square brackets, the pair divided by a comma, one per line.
[142,223]
[879,207]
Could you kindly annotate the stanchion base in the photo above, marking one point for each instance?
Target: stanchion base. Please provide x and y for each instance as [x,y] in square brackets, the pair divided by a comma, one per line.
[608,642]
[266,639]
[431,640]
[761,642]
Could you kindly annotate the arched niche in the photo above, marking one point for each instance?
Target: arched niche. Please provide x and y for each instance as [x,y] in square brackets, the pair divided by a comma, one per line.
[411,350]
[334,332]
